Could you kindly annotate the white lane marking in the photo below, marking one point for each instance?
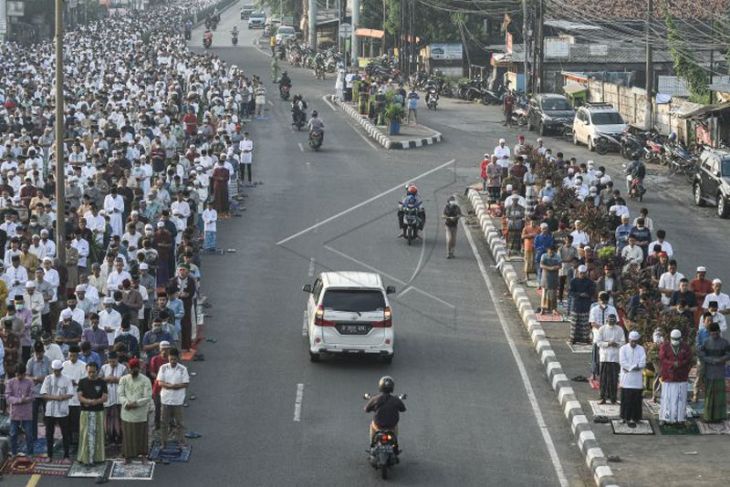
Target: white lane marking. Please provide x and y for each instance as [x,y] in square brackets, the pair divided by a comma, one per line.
[298,403]
[363,203]
[271,103]
[301,147]
[311,267]
[405,291]
[536,411]
[363,137]
[388,276]
[304,324]
[329,103]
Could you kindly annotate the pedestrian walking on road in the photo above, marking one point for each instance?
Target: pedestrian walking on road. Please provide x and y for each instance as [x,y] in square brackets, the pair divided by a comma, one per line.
[451,216]
[413,106]
[135,396]
[610,339]
[714,353]
[632,359]
[675,358]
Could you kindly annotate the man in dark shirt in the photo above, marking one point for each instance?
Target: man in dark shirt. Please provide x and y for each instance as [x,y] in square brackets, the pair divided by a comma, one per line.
[387,408]
[92,392]
[642,235]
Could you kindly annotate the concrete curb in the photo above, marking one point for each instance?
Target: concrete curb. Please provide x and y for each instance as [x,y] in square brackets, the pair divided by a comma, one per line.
[378,136]
[579,424]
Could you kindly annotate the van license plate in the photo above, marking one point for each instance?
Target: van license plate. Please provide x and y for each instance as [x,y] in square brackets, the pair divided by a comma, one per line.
[354,329]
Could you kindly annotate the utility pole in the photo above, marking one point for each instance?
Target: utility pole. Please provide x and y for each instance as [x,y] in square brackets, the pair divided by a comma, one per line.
[539,83]
[313,24]
[649,122]
[355,25]
[60,188]
[525,44]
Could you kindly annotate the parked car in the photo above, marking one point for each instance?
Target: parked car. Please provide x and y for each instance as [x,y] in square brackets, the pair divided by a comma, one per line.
[549,112]
[595,120]
[246,11]
[285,33]
[256,20]
[711,183]
[348,312]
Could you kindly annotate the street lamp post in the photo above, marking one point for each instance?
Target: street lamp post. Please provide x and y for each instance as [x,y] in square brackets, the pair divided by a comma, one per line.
[60,196]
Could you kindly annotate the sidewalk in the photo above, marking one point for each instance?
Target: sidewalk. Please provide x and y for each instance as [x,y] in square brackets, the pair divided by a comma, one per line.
[410,137]
[653,458]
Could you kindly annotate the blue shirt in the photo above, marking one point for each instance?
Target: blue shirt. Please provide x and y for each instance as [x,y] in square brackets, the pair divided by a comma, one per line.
[91,357]
[543,242]
[412,100]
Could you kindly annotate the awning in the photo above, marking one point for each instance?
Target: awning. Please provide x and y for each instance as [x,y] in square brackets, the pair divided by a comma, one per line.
[574,89]
[373,33]
[706,111]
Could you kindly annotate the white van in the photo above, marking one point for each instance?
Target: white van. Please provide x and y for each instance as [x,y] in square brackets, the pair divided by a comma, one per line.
[349,312]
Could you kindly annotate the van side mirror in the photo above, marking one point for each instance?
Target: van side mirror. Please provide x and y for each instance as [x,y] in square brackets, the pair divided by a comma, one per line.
[390,290]
[307,288]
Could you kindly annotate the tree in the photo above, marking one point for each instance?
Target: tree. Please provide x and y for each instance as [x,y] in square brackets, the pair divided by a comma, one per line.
[685,65]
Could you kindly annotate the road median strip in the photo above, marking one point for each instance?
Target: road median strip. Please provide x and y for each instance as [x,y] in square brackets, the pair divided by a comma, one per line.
[594,457]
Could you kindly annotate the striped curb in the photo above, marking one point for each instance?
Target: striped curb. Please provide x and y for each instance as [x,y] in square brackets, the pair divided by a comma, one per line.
[379,137]
[579,424]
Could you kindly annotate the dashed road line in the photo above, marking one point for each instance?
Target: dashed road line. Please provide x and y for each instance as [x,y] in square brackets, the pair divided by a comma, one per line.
[298,403]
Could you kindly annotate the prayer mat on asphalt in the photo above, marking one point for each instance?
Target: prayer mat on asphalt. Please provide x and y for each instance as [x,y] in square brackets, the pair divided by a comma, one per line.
[550,317]
[39,446]
[688,428]
[19,466]
[54,468]
[643,427]
[580,347]
[132,471]
[171,453]
[514,258]
[79,470]
[532,283]
[722,428]
[608,410]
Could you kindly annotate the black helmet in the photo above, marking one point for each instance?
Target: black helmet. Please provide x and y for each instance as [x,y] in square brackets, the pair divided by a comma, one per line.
[386,384]
[314,113]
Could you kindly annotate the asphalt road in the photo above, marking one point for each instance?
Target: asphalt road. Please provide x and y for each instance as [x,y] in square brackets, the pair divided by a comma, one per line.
[470,420]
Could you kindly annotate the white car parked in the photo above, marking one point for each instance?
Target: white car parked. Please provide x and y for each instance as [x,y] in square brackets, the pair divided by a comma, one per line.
[348,312]
[595,119]
[285,33]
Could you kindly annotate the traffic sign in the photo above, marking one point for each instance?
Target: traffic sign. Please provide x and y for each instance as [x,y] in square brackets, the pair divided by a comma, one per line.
[345,30]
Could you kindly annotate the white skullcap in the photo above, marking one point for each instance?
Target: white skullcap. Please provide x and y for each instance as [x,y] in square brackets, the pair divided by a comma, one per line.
[634,335]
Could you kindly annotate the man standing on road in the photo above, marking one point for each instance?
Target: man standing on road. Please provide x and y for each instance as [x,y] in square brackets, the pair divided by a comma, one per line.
[135,396]
[412,101]
[581,291]
[452,213]
[56,391]
[173,378]
[246,147]
[19,393]
[509,102]
[714,353]
[632,358]
[675,357]
[92,393]
[610,338]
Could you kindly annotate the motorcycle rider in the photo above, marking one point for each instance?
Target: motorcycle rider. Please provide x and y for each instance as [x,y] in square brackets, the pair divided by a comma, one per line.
[387,409]
[635,170]
[412,200]
[315,125]
[188,29]
[208,37]
[284,80]
[432,94]
[234,33]
[298,108]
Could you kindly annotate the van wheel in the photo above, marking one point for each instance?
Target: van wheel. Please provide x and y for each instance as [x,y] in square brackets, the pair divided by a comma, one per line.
[699,201]
[314,357]
[722,207]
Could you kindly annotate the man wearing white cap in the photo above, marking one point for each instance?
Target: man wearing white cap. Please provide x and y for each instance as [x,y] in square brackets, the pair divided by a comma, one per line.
[632,358]
[675,358]
[56,390]
[580,237]
[610,338]
[723,301]
[110,320]
[502,152]
[50,245]
[15,277]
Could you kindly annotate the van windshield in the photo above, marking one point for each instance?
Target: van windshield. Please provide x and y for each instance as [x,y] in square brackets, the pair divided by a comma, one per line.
[355,300]
[606,118]
[555,104]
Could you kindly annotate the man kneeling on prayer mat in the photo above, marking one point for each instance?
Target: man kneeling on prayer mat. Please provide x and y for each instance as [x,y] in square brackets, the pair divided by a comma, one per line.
[92,395]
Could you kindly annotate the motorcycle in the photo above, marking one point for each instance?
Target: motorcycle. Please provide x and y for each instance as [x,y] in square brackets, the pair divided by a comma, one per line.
[605,143]
[680,160]
[411,223]
[188,34]
[631,142]
[654,149]
[319,71]
[432,99]
[315,139]
[383,452]
[234,38]
[299,117]
[284,92]
[636,186]
[207,42]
